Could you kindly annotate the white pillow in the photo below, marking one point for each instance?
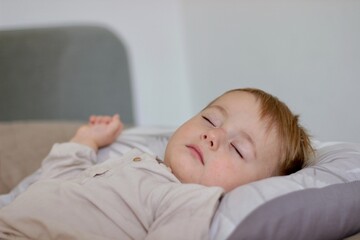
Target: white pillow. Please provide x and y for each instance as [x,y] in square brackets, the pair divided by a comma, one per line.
[334,162]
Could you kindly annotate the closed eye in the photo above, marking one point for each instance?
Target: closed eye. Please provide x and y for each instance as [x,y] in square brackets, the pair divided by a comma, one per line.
[237,151]
[209,121]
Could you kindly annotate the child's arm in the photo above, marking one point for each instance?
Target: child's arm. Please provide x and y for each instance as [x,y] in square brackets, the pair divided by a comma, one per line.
[99,132]
[67,160]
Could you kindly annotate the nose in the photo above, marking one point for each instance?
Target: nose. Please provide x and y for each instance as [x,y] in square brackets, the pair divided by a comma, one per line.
[213,138]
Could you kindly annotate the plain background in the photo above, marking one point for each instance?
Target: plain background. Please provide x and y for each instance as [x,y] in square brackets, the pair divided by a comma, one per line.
[183,53]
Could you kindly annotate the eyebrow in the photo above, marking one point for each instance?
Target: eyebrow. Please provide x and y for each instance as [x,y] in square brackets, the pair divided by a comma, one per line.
[245,134]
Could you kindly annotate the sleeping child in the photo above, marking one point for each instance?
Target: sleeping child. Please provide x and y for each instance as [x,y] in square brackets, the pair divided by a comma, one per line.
[242,136]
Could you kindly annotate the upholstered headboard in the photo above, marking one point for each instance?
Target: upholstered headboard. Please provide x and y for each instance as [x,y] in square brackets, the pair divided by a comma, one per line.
[63,73]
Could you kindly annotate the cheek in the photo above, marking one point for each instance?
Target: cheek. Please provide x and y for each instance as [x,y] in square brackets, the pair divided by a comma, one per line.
[225,172]
[235,173]
[182,133]
[223,168]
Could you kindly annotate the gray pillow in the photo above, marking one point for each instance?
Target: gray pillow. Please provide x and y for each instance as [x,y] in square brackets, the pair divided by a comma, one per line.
[334,163]
[331,212]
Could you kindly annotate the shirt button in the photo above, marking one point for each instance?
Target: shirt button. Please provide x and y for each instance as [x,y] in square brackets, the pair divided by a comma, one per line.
[137,159]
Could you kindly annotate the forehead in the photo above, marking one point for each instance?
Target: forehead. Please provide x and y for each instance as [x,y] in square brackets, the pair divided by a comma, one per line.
[239,101]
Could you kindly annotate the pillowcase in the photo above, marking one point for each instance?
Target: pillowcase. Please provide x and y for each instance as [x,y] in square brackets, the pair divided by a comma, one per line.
[331,212]
[334,162]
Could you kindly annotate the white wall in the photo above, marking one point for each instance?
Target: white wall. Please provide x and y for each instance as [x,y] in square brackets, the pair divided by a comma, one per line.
[305,52]
[183,53]
[152,32]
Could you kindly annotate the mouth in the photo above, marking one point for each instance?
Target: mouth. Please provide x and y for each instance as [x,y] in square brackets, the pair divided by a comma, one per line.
[197,152]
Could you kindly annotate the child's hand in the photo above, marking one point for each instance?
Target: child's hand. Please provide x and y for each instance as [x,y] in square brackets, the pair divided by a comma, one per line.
[100,132]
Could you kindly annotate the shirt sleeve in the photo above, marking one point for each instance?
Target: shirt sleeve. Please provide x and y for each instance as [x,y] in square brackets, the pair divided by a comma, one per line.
[186,213]
[66,160]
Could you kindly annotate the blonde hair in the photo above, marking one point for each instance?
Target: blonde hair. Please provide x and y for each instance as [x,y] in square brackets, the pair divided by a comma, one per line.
[295,147]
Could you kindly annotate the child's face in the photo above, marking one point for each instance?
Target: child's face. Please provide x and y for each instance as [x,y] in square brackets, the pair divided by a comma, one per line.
[225,145]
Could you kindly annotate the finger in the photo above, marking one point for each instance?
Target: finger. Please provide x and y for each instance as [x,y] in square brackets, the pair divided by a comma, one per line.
[119,128]
[101,119]
[92,119]
[106,119]
[117,116]
[115,125]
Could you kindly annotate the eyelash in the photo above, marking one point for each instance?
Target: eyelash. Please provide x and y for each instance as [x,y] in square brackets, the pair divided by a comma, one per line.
[209,121]
[237,151]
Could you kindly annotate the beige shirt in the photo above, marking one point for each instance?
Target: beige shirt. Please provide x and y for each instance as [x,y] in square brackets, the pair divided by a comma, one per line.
[134,197]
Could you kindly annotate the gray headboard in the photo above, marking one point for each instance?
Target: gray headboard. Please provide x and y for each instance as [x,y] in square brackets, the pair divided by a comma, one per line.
[63,73]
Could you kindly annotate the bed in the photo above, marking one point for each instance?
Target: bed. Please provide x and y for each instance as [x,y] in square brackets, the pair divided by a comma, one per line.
[321,201]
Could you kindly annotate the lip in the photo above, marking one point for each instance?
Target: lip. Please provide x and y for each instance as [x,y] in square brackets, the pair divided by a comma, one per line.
[197,152]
